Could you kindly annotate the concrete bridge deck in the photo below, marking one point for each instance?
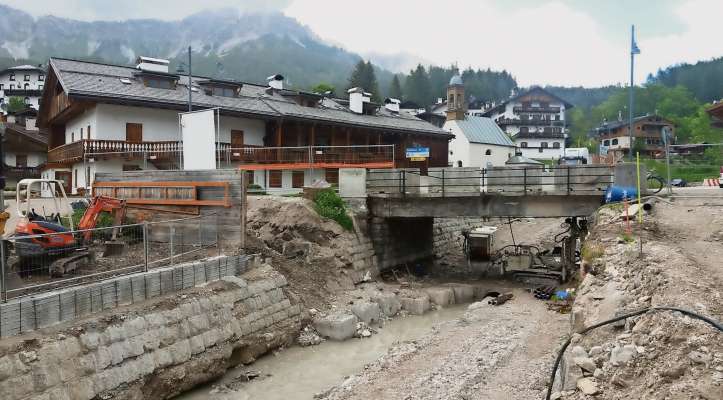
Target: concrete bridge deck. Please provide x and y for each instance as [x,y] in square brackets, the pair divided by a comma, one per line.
[511,191]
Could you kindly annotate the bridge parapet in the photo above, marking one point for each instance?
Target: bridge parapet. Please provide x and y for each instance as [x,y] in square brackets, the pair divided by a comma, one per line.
[508,180]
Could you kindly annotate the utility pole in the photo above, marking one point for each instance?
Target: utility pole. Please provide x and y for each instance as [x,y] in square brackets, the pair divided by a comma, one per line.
[633,51]
[190,100]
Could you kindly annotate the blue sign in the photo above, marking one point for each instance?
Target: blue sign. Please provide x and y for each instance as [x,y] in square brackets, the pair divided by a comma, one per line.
[418,152]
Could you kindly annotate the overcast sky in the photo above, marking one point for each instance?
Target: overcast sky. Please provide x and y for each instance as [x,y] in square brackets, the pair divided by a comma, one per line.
[564,42]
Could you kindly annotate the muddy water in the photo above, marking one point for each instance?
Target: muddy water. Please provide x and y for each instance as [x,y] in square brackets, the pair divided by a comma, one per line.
[301,372]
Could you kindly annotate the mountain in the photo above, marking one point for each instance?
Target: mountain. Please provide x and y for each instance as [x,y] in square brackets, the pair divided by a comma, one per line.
[248,47]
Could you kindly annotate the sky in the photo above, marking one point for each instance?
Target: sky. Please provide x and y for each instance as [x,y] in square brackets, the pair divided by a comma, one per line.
[557,42]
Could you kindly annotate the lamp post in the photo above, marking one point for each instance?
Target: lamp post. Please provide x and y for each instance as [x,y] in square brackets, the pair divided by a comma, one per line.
[633,51]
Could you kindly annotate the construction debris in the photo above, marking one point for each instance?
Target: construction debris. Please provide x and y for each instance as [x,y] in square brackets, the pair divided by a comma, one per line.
[500,300]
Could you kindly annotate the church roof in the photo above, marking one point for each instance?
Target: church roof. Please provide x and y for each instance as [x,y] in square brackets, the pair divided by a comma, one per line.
[483,130]
[456,80]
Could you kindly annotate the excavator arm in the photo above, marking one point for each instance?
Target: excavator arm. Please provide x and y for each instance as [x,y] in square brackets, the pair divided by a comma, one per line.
[97,205]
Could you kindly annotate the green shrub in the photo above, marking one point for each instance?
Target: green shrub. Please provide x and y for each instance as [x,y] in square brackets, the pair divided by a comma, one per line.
[329,205]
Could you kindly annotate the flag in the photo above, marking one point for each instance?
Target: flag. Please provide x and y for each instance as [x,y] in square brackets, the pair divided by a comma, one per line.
[634,49]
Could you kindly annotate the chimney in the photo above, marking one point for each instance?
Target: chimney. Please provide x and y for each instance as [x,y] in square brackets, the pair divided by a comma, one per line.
[357,98]
[276,82]
[30,124]
[392,104]
[152,64]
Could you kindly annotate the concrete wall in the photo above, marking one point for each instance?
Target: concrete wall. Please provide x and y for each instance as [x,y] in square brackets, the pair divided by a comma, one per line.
[157,350]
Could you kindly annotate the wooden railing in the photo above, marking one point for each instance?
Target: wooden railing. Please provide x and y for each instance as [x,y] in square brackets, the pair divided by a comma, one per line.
[23,172]
[310,155]
[103,149]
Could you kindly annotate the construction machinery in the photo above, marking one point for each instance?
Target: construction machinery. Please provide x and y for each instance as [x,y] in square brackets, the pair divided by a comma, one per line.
[526,262]
[41,239]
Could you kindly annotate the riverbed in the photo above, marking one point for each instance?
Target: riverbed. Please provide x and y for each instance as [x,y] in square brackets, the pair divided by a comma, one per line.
[300,372]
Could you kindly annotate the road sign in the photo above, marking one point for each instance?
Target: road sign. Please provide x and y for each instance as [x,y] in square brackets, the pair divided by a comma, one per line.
[417,158]
[417,152]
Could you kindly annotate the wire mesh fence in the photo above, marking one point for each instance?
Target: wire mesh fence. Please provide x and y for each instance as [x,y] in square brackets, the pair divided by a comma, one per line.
[43,255]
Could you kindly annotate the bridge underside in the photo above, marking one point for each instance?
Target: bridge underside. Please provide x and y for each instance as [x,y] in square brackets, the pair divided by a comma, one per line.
[485,205]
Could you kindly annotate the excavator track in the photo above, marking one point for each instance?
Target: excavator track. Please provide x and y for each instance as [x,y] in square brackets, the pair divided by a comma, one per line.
[64,265]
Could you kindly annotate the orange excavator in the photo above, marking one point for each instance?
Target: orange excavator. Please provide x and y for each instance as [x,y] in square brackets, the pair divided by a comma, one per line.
[43,240]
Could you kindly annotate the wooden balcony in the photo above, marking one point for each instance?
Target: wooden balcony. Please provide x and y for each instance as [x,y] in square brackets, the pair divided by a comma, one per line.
[529,122]
[17,173]
[303,157]
[108,149]
[523,109]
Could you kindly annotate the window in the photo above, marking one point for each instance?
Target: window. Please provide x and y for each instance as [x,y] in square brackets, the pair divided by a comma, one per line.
[332,175]
[134,132]
[27,86]
[459,164]
[21,160]
[275,178]
[72,136]
[615,142]
[223,91]
[159,83]
[555,145]
[75,177]
[297,179]
[12,87]
[26,100]
[524,129]
[40,87]
[523,145]
[488,152]
[26,78]
[237,139]
[606,142]
[451,100]
[540,150]
[1,86]
[12,76]
[87,176]
[543,145]
[88,131]
[41,77]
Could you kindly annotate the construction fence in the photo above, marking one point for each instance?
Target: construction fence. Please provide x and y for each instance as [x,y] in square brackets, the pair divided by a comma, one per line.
[32,264]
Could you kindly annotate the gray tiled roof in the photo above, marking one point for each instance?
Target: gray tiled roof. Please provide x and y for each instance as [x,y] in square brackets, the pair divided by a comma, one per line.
[483,130]
[101,81]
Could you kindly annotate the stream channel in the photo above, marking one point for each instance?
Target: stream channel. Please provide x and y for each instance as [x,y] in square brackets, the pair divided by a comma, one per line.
[297,373]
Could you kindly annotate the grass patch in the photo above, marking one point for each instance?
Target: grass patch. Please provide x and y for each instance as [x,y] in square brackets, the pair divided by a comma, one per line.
[329,205]
[691,172]
[591,251]
[627,237]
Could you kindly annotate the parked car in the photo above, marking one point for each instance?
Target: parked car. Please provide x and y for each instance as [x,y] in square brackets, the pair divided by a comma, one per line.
[678,182]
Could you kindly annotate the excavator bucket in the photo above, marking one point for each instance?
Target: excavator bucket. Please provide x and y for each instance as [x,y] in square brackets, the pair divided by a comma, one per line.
[114,248]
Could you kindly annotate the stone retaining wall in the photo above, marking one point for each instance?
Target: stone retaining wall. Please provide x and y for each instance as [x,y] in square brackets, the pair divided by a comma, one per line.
[448,234]
[35,312]
[170,345]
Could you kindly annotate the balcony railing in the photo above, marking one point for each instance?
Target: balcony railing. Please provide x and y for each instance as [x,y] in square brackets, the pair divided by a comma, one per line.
[310,156]
[376,156]
[535,122]
[523,109]
[101,149]
[22,172]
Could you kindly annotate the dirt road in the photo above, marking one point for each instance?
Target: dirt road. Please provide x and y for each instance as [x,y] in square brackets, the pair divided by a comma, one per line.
[493,352]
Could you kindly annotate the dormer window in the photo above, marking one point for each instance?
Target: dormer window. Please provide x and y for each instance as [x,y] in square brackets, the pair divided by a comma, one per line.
[221,88]
[158,80]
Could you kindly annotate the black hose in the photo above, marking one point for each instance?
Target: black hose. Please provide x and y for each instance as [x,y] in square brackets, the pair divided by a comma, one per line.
[710,321]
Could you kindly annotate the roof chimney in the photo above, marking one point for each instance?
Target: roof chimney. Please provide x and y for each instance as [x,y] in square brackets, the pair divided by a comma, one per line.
[392,104]
[357,98]
[276,81]
[152,64]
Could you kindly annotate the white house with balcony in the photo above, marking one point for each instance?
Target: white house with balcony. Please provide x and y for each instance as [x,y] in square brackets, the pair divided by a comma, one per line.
[535,119]
[109,118]
[25,82]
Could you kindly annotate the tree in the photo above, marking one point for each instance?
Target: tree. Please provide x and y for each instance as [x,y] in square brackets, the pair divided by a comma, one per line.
[323,87]
[363,76]
[395,88]
[16,104]
[417,88]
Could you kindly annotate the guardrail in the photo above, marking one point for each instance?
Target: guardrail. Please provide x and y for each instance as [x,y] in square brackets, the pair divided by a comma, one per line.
[38,263]
[448,182]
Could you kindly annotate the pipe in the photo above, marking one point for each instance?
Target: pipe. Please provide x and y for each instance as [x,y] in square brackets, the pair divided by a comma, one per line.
[691,314]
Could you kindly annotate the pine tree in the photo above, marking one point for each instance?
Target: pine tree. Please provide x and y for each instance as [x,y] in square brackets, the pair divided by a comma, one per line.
[363,76]
[417,87]
[395,88]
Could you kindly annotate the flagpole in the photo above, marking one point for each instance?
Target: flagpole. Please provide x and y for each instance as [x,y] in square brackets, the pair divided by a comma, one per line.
[630,106]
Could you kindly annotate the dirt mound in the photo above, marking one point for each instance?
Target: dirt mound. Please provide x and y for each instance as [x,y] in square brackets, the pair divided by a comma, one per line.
[312,252]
